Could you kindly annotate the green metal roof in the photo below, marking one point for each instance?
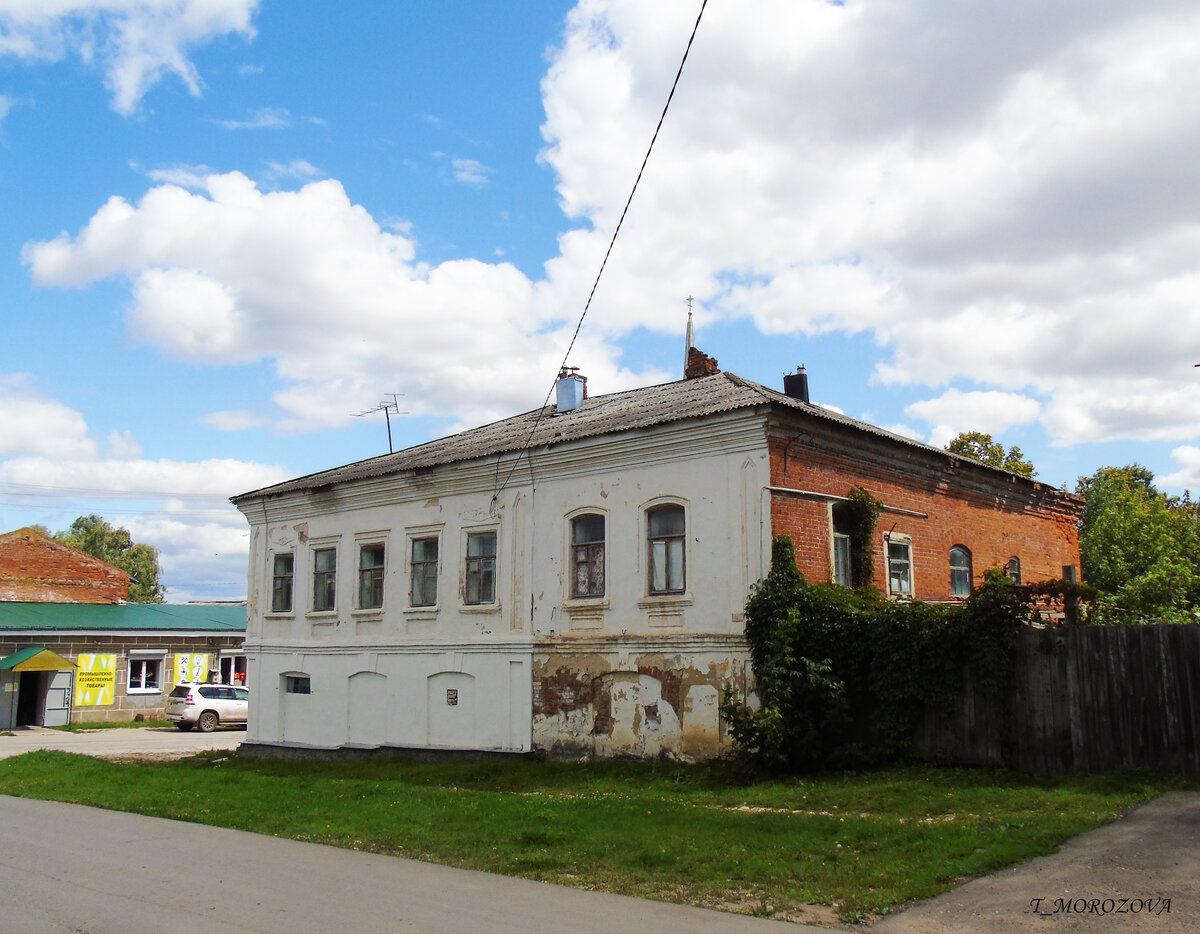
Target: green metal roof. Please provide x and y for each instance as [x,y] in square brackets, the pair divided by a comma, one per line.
[148,617]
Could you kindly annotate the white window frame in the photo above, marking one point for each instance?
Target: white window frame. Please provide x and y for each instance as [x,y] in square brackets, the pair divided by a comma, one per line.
[232,657]
[142,657]
[969,569]
[905,542]
[842,560]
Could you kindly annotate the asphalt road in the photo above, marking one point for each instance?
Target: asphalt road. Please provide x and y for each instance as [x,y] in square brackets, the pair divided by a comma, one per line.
[66,869]
[143,741]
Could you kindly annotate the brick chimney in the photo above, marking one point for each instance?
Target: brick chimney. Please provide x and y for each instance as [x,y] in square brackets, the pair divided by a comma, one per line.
[699,364]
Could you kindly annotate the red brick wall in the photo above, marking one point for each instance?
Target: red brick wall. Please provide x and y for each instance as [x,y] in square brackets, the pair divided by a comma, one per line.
[38,569]
[991,513]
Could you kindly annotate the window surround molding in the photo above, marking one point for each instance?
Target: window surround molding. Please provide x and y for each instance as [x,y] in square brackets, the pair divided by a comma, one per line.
[271,556]
[416,533]
[319,544]
[582,610]
[362,539]
[663,603]
[464,533]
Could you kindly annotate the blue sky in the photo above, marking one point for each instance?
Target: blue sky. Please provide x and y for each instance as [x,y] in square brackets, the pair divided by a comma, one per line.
[229,225]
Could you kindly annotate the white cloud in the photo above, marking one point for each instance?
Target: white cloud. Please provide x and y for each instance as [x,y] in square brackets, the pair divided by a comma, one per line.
[311,281]
[267,118]
[136,42]
[992,412]
[233,420]
[1002,197]
[123,446]
[471,172]
[32,423]
[1187,476]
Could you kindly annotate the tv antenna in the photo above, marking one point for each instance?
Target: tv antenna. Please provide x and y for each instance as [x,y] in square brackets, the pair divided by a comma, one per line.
[388,409]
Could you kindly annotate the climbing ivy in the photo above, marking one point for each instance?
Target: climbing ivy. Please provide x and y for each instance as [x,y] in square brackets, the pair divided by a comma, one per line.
[862,513]
[843,677]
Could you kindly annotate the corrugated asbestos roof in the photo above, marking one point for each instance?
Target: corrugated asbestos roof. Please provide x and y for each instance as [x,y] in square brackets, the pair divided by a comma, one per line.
[148,617]
[599,415]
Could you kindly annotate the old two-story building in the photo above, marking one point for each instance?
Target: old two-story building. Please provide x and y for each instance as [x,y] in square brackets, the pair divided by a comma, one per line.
[572,579]
[73,651]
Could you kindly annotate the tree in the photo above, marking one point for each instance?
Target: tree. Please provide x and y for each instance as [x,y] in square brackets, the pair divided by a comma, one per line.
[981,447]
[1139,547]
[98,538]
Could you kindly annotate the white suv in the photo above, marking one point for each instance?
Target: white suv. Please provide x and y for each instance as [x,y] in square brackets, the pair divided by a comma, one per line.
[207,706]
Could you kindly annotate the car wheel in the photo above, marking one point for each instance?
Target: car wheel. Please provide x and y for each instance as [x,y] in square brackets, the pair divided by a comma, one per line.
[184,726]
[208,721]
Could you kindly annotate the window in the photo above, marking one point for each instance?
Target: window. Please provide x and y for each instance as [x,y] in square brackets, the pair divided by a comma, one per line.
[841,560]
[960,571]
[1014,569]
[665,528]
[297,684]
[481,568]
[587,556]
[424,567]
[233,669]
[145,674]
[370,577]
[324,579]
[899,554]
[281,583]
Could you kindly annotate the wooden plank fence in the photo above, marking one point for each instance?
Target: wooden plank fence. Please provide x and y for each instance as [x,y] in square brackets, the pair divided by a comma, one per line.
[1084,699]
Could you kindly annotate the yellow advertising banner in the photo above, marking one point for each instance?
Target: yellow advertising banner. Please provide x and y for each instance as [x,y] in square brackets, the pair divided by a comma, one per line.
[191,669]
[95,680]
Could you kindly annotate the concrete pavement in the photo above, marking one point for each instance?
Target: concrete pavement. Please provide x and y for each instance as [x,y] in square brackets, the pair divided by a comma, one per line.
[139,741]
[1140,873]
[66,869]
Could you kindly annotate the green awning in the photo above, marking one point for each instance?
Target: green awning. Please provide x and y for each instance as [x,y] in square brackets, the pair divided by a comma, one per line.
[35,659]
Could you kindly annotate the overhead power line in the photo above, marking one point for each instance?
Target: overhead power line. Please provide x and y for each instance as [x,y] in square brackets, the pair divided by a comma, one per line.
[604,262]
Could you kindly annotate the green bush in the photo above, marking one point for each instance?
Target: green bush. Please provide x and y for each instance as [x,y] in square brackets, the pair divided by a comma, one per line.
[843,677]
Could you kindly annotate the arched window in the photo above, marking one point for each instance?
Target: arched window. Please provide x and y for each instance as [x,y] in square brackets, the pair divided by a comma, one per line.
[665,532]
[1014,569]
[960,571]
[587,556]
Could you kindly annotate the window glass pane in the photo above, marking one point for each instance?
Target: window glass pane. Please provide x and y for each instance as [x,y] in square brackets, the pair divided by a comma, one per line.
[281,585]
[481,568]
[666,521]
[675,564]
[425,549]
[841,560]
[899,568]
[481,544]
[587,529]
[658,567]
[370,577]
[960,571]
[324,578]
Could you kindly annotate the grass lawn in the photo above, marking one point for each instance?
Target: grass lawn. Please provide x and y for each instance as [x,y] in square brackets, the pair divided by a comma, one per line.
[111,725]
[858,843]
